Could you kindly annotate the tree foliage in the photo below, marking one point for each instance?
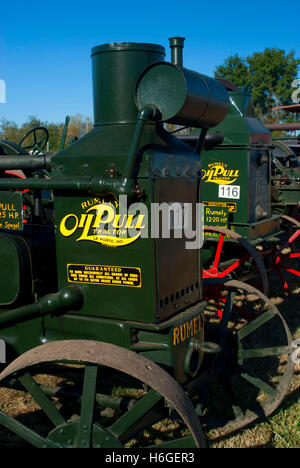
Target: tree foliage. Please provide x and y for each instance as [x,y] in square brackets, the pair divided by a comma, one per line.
[78,126]
[269,74]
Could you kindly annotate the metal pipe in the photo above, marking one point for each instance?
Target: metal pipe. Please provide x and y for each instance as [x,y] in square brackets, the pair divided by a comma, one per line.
[25,162]
[147,113]
[200,141]
[176,45]
[283,126]
[64,134]
[69,298]
[47,184]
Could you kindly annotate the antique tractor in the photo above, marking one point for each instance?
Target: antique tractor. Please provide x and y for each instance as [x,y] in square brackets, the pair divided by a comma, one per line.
[104,326]
[285,177]
[245,235]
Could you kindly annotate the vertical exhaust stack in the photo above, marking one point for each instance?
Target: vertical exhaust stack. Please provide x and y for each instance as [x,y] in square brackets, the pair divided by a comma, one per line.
[116,69]
[176,45]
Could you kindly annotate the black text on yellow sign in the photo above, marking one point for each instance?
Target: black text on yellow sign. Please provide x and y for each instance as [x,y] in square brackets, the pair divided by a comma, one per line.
[106,275]
[187,330]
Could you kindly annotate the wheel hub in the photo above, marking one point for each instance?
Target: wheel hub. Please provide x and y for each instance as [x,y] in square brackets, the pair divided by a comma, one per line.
[67,437]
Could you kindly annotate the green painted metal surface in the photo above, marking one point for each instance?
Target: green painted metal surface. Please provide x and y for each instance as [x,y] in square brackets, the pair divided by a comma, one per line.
[236,174]
[128,286]
[70,278]
[116,69]
[182,96]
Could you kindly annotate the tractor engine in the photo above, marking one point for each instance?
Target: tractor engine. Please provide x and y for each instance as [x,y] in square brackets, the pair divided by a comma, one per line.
[236,181]
[142,289]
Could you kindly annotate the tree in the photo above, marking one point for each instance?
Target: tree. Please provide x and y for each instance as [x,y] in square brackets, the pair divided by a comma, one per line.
[235,69]
[269,74]
[79,125]
[9,130]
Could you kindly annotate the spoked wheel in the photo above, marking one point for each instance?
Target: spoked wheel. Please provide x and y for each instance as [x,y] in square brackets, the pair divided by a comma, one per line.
[231,255]
[141,418]
[252,373]
[285,259]
[35,140]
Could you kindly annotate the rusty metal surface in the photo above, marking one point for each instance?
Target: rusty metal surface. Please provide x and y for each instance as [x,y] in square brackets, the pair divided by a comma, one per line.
[106,354]
[283,126]
[290,108]
[292,220]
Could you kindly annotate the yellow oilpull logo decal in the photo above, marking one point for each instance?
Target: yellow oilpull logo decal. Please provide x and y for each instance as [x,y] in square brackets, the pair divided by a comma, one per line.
[100,223]
[187,330]
[218,173]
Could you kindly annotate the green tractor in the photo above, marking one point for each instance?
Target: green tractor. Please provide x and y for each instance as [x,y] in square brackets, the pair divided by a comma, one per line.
[104,328]
[244,186]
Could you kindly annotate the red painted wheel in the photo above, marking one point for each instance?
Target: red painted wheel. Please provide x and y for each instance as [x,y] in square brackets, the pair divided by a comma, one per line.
[231,255]
[286,256]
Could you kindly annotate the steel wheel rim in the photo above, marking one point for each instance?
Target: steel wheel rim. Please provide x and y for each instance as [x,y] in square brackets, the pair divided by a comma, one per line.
[262,408]
[163,387]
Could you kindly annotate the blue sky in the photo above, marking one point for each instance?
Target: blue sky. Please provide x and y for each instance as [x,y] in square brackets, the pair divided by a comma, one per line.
[45,46]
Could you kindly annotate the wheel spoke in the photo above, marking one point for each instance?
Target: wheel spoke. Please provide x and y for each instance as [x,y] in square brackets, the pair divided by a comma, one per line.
[226,315]
[261,320]
[294,255]
[294,236]
[41,399]
[260,384]
[294,272]
[290,240]
[132,416]
[87,407]
[263,352]
[231,268]
[186,442]
[282,279]
[238,412]
[165,395]
[25,433]
[218,252]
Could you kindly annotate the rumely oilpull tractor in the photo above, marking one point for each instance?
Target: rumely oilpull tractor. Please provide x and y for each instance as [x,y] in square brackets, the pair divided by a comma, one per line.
[286,175]
[246,236]
[108,334]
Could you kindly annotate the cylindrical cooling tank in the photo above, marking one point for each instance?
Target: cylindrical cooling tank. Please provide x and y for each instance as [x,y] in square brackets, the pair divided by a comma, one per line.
[116,69]
[183,97]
